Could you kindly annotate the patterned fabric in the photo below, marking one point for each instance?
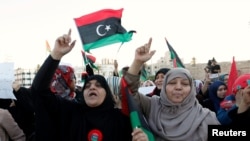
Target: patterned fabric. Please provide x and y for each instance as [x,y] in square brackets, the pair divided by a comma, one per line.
[114,84]
[198,85]
[62,80]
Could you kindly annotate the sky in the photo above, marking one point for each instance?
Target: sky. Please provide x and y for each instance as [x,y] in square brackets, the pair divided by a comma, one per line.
[195,28]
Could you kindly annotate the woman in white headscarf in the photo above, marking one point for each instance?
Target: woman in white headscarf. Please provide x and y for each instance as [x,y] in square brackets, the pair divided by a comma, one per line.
[114,85]
[176,115]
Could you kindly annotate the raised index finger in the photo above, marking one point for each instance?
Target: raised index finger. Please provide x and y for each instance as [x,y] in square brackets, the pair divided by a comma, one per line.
[69,33]
[149,42]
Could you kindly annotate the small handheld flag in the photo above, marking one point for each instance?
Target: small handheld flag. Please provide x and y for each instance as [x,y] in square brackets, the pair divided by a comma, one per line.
[102,28]
[174,56]
[129,107]
[89,60]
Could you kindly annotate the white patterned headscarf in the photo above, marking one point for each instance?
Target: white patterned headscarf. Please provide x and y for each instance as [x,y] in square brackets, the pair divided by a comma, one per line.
[198,85]
[186,121]
[114,84]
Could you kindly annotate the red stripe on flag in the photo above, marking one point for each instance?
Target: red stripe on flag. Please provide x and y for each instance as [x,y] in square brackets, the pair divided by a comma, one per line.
[131,109]
[174,63]
[174,56]
[90,57]
[125,109]
[98,16]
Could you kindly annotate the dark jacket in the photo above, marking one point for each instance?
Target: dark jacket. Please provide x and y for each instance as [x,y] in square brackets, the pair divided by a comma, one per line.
[242,119]
[59,119]
[25,112]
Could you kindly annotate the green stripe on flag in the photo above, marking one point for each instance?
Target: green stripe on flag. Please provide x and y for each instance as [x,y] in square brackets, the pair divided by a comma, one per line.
[109,40]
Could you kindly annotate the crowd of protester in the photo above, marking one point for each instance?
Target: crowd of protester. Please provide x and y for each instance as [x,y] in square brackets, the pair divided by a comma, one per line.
[178,108]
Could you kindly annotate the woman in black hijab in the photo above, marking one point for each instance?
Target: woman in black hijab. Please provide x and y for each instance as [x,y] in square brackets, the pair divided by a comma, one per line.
[96,119]
[159,77]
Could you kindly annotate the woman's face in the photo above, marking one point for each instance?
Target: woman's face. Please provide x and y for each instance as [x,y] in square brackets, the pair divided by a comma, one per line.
[238,96]
[226,79]
[94,94]
[148,84]
[221,91]
[246,95]
[159,80]
[178,89]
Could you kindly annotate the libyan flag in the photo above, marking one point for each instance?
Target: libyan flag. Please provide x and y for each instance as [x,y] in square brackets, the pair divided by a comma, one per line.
[89,60]
[174,57]
[102,28]
[130,107]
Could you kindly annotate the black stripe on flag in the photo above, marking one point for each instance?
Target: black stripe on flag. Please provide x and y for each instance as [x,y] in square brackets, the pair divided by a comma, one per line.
[95,31]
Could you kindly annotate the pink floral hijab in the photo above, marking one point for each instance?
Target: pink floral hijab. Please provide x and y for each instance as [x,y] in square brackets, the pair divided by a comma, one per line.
[61,81]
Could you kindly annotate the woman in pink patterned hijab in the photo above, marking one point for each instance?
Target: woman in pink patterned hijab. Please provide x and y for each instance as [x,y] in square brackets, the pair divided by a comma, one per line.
[63,82]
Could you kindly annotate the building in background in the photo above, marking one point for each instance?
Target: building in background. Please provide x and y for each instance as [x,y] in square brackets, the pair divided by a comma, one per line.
[25,76]
[106,68]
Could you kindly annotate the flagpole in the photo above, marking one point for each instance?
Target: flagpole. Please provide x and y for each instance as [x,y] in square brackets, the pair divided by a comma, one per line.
[118,51]
[115,58]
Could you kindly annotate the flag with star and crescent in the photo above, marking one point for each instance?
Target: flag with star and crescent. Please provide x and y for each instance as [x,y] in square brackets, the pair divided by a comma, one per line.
[102,28]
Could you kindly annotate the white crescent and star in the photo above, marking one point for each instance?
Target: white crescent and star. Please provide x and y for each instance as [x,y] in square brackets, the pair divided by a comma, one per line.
[107,28]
